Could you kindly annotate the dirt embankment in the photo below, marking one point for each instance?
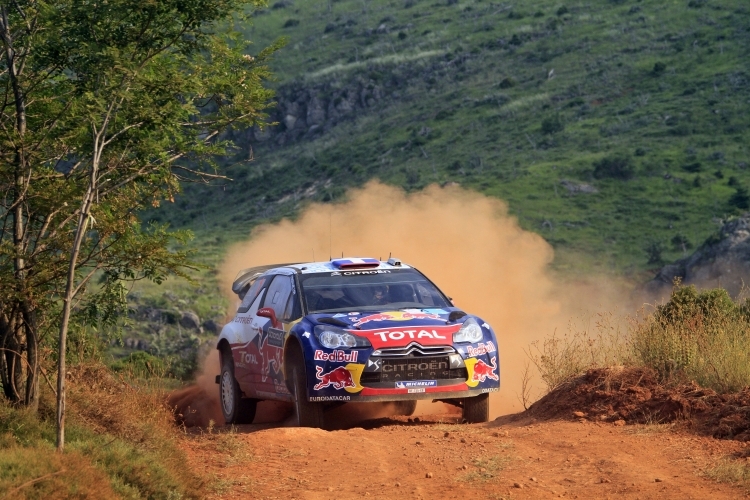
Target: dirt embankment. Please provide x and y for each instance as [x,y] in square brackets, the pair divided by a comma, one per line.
[635,395]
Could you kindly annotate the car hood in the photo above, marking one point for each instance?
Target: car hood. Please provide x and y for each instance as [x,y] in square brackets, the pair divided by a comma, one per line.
[391,328]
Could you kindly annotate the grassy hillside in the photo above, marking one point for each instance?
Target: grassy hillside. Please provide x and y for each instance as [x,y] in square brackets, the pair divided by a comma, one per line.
[616,129]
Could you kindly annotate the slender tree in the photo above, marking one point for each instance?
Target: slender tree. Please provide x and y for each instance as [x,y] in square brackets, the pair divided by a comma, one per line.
[130,99]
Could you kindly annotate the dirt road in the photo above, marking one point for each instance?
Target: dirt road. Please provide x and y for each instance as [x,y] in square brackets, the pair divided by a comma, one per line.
[434,457]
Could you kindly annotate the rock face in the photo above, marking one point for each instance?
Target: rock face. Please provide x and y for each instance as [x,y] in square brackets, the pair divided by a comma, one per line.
[306,108]
[722,261]
[190,320]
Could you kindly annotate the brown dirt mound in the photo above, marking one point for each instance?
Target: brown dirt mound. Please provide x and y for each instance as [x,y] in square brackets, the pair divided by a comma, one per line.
[194,407]
[635,395]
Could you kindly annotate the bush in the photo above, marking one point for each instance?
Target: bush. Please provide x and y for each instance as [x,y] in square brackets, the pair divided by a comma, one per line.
[740,199]
[614,167]
[694,336]
[141,364]
[654,251]
[562,11]
[700,336]
[552,125]
[291,23]
[507,83]
[658,69]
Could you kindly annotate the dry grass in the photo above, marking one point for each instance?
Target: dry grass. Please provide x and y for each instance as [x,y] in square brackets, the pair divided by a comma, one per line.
[699,336]
[559,358]
[731,470]
[121,442]
[486,468]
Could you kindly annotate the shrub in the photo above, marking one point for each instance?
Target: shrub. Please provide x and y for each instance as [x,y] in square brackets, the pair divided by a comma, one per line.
[614,167]
[562,11]
[141,364]
[291,23]
[552,125]
[692,167]
[654,251]
[740,199]
[681,242]
[507,83]
[694,336]
[700,336]
[658,69]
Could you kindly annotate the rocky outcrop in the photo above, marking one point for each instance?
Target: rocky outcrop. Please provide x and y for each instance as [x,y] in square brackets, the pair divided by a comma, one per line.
[309,107]
[722,261]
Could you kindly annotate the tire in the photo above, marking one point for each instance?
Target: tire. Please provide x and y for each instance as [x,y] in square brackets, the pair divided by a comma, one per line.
[236,409]
[476,409]
[308,414]
[406,408]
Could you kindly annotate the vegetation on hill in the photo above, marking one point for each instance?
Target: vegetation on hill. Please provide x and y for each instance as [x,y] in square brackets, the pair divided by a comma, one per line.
[617,129]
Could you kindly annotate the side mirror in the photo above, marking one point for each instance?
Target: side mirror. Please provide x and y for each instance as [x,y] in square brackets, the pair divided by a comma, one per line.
[267,312]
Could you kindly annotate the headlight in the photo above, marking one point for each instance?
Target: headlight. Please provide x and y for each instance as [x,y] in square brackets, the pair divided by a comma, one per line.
[332,338]
[470,331]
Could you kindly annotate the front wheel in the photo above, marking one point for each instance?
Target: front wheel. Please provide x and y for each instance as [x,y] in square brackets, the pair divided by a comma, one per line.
[476,409]
[236,409]
[308,414]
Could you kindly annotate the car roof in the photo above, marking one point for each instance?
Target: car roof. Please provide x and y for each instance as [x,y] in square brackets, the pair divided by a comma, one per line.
[247,275]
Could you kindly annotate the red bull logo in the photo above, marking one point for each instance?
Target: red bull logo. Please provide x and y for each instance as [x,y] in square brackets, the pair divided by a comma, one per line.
[396,316]
[482,370]
[339,378]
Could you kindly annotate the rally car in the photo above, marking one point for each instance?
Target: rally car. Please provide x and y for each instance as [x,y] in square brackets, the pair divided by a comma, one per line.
[323,334]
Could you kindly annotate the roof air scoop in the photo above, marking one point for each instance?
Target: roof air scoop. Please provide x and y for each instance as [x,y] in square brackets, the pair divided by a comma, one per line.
[350,263]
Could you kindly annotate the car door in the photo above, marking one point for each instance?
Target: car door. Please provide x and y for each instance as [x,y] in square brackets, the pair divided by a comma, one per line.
[270,319]
[245,353]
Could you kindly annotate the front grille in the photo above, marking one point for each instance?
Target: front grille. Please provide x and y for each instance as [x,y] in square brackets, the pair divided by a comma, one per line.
[414,349]
[399,369]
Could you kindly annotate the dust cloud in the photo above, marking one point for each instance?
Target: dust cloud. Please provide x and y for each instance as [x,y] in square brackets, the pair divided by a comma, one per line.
[463,241]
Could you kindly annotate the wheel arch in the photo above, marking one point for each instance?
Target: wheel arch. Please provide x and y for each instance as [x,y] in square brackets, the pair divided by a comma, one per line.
[223,347]
[292,343]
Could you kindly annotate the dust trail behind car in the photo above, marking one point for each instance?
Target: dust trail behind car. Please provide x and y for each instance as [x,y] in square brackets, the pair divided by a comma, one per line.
[466,242]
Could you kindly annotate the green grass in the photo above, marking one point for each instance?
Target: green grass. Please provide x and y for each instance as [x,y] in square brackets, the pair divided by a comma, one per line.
[661,83]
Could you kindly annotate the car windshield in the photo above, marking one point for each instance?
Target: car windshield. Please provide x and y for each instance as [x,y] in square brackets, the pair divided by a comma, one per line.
[369,290]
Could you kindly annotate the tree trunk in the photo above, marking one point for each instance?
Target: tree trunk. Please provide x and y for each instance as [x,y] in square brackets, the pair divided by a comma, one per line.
[83,220]
[31,399]
[67,300]
[21,333]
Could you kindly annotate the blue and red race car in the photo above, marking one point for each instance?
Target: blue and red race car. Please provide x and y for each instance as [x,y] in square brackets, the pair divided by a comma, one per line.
[323,334]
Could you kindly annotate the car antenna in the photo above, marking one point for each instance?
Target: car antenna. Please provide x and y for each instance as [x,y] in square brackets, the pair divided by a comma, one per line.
[313,254]
[330,253]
